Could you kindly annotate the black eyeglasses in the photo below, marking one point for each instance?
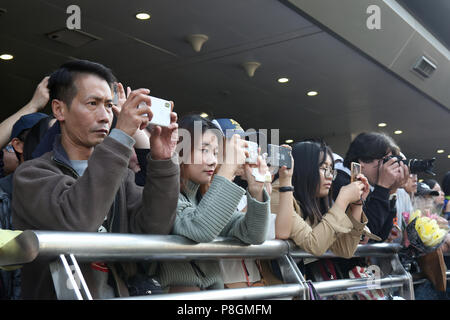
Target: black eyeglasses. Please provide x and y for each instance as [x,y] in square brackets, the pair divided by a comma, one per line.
[329,172]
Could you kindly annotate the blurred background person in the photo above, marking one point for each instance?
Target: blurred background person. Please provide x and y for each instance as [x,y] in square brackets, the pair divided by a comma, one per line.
[446,189]
[438,200]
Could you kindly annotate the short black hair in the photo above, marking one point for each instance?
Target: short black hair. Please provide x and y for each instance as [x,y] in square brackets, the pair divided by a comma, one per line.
[368,146]
[62,81]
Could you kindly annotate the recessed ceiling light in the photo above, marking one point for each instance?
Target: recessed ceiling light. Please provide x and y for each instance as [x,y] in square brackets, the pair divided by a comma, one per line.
[398,131]
[312,93]
[6,56]
[204,115]
[283,80]
[382,124]
[448,156]
[440,151]
[142,16]
[420,180]
[289,141]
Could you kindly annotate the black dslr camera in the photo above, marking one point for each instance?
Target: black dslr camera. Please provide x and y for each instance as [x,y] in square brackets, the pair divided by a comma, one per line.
[416,166]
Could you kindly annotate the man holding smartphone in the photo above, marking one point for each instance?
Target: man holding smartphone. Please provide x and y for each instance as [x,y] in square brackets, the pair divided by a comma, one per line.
[84,183]
[369,150]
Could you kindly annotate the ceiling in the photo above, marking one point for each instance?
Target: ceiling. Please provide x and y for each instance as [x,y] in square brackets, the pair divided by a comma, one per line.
[433,15]
[355,92]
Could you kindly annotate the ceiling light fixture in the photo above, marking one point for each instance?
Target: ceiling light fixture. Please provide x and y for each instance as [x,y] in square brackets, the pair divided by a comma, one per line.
[398,132]
[197,40]
[382,124]
[250,67]
[283,80]
[289,141]
[440,151]
[142,16]
[204,115]
[6,56]
[312,93]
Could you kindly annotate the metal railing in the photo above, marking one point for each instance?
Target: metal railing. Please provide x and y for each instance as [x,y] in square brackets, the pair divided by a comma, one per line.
[399,278]
[68,247]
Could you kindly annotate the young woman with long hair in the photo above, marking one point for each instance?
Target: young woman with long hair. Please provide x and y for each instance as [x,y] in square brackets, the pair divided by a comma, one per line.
[203,217]
[317,224]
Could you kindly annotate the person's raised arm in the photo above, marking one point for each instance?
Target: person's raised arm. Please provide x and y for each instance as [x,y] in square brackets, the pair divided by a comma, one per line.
[140,136]
[356,207]
[37,102]
[283,222]
[252,227]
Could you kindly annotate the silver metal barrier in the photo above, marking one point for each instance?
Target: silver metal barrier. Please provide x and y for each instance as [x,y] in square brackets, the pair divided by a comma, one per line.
[389,251]
[87,246]
[252,293]
[370,250]
[68,247]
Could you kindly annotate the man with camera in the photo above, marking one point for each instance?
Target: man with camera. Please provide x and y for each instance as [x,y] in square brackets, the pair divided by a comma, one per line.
[379,158]
[84,183]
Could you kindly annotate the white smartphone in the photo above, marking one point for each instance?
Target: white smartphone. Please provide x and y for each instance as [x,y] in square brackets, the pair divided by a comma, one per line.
[253,152]
[161,111]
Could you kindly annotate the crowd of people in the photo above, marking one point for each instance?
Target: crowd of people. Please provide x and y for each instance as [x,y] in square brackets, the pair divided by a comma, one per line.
[95,165]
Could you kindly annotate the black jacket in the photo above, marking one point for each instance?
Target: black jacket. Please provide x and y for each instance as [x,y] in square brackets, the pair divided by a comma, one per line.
[380,211]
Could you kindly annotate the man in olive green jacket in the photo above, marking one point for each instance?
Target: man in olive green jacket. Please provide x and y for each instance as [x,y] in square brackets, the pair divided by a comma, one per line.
[84,183]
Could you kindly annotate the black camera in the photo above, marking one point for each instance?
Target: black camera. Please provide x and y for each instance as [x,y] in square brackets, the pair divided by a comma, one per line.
[416,166]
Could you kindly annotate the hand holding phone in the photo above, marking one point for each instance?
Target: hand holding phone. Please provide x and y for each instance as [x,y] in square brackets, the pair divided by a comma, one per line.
[355,169]
[279,156]
[161,112]
[252,152]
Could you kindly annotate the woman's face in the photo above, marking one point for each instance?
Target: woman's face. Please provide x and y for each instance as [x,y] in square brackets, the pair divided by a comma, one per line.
[204,158]
[411,184]
[326,177]
[439,200]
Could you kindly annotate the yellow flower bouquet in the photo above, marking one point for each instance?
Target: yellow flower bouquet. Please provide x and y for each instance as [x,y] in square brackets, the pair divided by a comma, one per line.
[424,232]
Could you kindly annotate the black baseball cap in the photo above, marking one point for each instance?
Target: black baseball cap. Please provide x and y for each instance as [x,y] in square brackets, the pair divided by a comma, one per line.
[26,122]
[424,190]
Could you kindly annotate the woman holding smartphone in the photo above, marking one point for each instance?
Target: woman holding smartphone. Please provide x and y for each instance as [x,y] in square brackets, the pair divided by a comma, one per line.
[317,224]
[203,217]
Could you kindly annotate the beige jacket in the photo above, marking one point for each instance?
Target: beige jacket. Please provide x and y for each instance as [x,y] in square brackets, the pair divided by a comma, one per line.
[338,231]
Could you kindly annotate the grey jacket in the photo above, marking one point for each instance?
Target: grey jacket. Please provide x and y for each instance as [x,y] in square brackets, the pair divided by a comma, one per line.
[49,195]
[215,215]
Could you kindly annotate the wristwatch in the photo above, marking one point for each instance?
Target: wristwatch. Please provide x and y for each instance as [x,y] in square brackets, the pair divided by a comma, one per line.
[286,189]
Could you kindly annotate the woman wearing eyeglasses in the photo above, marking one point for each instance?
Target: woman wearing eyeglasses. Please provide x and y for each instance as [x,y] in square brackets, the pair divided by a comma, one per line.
[317,223]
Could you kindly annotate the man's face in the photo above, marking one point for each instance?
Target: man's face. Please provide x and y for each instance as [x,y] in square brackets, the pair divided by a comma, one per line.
[88,119]
[370,169]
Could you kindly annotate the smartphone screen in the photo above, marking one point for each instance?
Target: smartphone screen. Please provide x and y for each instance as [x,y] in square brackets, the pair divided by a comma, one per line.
[355,169]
